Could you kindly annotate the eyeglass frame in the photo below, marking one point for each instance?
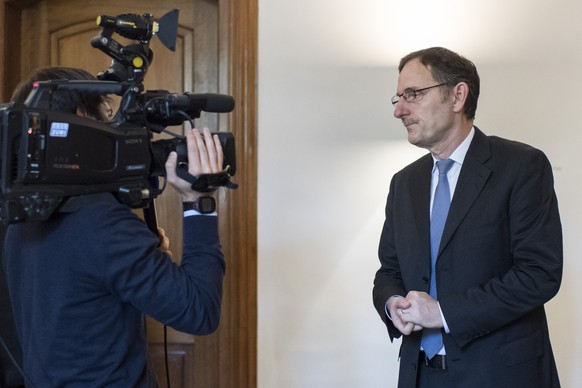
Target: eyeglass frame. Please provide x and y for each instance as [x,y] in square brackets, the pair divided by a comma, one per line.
[415,94]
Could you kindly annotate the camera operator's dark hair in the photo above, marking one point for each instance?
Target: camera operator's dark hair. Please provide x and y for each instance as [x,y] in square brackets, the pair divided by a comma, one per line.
[451,68]
[64,101]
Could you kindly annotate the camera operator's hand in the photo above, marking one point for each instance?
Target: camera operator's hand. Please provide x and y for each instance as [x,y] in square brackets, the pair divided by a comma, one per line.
[164,242]
[204,157]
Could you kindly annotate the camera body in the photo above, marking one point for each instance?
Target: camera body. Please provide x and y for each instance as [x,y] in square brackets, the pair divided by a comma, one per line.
[48,157]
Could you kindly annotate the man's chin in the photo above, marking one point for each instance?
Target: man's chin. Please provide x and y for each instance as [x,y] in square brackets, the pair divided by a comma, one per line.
[416,141]
[412,137]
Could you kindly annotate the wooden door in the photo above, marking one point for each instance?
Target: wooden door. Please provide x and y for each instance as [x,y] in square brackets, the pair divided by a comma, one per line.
[215,52]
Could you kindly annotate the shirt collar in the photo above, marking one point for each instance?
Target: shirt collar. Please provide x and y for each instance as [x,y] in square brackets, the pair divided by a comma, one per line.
[460,152]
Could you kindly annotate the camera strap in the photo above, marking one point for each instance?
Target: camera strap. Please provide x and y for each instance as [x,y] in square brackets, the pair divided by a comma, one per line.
[205,183]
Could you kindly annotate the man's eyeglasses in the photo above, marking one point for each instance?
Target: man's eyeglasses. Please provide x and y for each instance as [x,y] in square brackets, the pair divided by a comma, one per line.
[411,95]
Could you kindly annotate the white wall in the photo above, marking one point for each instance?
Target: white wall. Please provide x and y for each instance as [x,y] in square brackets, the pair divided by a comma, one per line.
[328,146]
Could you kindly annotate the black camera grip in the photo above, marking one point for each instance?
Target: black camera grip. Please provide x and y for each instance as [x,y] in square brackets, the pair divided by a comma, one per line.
[205,183]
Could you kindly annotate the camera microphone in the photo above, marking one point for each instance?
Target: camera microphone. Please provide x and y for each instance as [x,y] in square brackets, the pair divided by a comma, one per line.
[165,108]
[207,102]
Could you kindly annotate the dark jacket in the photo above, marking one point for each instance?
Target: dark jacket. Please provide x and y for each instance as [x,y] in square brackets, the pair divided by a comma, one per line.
[499,261]
[81,282]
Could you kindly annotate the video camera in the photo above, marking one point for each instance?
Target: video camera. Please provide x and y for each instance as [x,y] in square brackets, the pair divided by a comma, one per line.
[48,157]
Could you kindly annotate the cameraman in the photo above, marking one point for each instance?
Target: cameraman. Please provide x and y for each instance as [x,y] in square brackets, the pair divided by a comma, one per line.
[81,282]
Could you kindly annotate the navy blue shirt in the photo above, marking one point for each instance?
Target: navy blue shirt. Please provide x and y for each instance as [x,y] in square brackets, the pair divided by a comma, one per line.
[81,282]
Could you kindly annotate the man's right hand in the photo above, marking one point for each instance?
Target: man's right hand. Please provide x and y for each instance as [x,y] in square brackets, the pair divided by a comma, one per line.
[397,306]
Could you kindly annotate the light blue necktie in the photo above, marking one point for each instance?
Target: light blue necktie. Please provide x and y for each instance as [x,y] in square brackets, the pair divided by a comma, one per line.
[432,340]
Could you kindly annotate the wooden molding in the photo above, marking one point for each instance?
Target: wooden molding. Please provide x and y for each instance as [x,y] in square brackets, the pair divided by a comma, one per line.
[236,340]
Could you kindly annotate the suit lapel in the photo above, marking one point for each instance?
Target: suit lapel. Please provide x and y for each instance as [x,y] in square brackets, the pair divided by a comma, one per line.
[420,199]
[473,176]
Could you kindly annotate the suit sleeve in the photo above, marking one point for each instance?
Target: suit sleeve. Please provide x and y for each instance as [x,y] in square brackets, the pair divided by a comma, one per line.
[388,280]
[185,296]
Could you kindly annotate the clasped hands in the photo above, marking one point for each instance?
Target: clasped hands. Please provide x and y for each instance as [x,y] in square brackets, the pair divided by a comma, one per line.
[417,311]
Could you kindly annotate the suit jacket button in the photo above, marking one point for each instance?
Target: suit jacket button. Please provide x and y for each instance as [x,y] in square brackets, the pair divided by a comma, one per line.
[425,280]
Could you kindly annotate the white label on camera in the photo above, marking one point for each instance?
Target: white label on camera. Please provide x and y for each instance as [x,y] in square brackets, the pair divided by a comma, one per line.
[59,129]
[135,167]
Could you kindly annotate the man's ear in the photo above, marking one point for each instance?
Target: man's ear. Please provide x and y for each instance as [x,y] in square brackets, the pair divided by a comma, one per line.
[460,94]
[81,111]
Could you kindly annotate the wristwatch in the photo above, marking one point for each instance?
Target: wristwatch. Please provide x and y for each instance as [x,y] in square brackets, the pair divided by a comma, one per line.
[205,204]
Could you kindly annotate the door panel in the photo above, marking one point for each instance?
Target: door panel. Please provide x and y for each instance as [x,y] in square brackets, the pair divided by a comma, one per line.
[69,46]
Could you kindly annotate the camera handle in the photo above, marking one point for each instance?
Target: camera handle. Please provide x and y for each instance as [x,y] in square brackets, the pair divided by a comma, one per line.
[149,211]
[150,218]
[205,183]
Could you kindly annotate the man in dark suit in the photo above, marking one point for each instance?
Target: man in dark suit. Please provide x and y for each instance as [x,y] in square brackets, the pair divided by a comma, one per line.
[500,255]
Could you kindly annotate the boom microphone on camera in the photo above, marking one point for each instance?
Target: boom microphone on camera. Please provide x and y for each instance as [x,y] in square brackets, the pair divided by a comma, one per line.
[208,102]
[169,109]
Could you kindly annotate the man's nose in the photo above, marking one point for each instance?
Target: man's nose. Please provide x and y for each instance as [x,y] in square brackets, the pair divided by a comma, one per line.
[400,109]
